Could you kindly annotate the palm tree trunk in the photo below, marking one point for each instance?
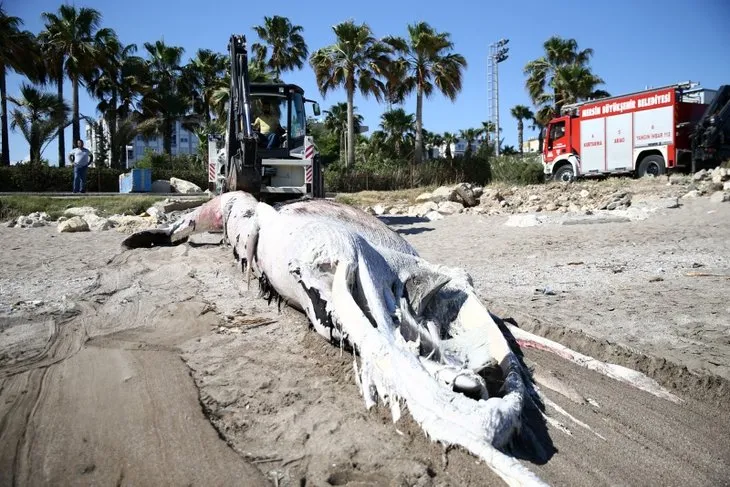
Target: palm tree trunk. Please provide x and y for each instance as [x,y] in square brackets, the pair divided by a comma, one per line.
[61,135]
[418,156]
[34,146]
[520,128]
[167,136]
[4,115]
[112,120]
[350,128]
[343,135]
[76,120]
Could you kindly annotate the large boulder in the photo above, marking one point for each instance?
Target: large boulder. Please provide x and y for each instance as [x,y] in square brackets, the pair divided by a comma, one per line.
[131,223]
[450,207]
[422,209]
[720,197]
[433,216]
[464,194]
[617,200]
[170,205]
[182,186]
[443,193]
[97,223]
[161,186]
[80,211]
[73,224]
[720,175]
[381,209]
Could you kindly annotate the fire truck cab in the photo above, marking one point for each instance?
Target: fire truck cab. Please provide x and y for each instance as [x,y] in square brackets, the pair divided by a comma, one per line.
[648,132]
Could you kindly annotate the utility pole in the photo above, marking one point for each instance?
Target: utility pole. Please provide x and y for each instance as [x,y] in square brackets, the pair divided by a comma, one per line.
[497,54]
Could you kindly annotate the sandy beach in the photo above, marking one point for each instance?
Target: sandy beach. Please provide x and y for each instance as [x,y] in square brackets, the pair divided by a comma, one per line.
[160,367]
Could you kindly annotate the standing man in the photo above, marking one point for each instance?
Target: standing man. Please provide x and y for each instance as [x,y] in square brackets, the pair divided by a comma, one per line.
[80,158]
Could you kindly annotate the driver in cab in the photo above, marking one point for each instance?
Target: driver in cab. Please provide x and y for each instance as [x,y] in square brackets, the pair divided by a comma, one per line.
[267,126]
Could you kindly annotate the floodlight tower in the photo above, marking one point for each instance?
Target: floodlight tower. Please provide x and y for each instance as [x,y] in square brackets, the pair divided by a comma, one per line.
[497,54]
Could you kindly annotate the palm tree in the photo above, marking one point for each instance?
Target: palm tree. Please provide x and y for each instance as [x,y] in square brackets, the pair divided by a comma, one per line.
[288,49]
[560,76]
[356,61]
[449,140]
[117,84]
[202,76]
[487,129]
[36,116]
[54,68]
[221,92]
[336,122]
[165,102]
[521,113]
[431,140]
[75,34]
[14,54]
[469,135]
[398,127]
[539,122]
[427,59]
[575,83]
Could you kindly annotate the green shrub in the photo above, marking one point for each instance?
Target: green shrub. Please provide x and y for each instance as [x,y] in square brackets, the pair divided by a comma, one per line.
[389,175]
[515,169]
[180,162]
[39,178]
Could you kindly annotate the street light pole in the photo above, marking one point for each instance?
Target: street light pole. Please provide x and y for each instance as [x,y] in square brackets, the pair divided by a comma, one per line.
[497,54]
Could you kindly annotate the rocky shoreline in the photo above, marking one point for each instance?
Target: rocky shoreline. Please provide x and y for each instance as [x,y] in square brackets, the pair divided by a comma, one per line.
[619,197]
[583,197]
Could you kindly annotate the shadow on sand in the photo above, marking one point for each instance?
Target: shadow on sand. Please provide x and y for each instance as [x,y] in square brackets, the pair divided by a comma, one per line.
[533,443]
[402,219]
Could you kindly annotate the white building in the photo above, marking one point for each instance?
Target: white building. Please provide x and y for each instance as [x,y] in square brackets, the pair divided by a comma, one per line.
[183,142]
[531,145]
[458,148]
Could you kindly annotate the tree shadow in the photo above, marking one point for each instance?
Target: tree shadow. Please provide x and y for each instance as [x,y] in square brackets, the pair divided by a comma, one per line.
[413,231]
[402,219]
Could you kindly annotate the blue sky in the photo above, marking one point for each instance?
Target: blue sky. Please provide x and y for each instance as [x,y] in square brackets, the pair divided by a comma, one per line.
[637,44]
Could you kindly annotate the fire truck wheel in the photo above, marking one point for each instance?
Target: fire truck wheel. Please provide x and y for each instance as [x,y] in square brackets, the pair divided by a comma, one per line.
[564,174]
[653,165]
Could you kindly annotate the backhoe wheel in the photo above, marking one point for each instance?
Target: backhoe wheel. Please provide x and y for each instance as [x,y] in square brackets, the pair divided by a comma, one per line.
[564,174]
[653,165]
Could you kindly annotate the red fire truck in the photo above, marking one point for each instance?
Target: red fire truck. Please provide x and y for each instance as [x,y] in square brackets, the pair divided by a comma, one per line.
[649,132]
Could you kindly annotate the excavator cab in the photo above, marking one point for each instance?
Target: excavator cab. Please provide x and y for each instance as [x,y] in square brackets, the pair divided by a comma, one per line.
[280,110]
[267,150]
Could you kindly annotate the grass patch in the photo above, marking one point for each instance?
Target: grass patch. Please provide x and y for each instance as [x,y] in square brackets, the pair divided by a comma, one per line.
[372,198]
[15,206]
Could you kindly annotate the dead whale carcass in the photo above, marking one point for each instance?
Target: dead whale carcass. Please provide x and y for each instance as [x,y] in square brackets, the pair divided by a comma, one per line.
[422,336]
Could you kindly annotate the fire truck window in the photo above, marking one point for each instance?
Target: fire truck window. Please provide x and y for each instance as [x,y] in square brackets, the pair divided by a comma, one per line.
[557,131]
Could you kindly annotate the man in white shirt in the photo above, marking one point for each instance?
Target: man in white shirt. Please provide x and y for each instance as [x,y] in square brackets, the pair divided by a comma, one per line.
[80,157]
